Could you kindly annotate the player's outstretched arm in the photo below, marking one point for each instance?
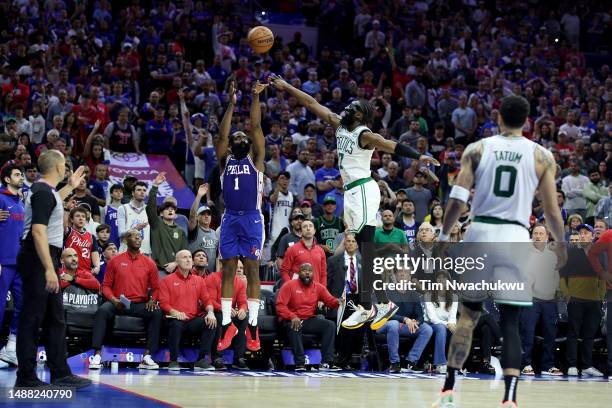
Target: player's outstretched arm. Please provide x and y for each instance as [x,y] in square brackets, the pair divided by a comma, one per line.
[221,142]
[460,193]
[259,141]
[306,100]
[370,140]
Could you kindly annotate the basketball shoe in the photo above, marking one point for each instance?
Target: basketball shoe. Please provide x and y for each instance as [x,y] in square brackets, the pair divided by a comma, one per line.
[359,317]
[445,400]
[384,311]
[252,337]
[227,334]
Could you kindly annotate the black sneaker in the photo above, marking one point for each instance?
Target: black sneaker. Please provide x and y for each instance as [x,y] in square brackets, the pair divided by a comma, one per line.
[219,363]
[202,365]
[30,383]
[412,368]
[241,364]
[300,369]
[395,368]
[174,366]
[71,381]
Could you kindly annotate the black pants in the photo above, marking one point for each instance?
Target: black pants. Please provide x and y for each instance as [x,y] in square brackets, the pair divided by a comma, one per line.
[40,309]
[107,312]
[325,329]
[583,318]
[238,342]
[490,334]
[197,325]
[349,341]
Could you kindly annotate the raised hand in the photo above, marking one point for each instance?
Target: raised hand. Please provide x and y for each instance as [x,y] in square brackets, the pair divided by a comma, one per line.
[259,87]
[202,190]
[277,82]
[231,90]
[429,160]
[160,178]
[76,177]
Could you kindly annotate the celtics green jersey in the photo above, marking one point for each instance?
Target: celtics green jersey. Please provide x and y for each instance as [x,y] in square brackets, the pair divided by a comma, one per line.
[327,230]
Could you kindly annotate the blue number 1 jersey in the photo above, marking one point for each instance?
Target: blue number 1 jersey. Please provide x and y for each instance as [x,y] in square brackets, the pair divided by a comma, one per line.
[242,185]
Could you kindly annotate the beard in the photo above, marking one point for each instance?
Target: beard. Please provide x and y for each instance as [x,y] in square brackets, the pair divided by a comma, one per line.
[240,150]
[347,118]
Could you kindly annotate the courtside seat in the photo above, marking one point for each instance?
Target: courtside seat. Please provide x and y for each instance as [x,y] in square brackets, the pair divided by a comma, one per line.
[129,326]
[266,319]
[79,324]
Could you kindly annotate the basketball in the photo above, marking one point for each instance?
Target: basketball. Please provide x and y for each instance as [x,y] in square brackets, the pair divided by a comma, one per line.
[260,39]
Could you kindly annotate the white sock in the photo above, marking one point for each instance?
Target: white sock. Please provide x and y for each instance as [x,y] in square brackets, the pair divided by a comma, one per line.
[226,310]
[253,305]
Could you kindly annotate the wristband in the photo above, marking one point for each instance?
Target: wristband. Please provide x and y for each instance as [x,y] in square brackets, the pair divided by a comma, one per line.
[443,237]
[406,151]
[460,193]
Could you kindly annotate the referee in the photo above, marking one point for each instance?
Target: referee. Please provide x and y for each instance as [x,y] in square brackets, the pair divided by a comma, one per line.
[38,262]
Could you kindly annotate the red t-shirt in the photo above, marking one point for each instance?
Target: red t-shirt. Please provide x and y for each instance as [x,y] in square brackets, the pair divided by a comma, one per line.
[298,300]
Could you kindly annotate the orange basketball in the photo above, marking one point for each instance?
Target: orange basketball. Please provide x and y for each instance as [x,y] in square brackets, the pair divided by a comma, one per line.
[260,39]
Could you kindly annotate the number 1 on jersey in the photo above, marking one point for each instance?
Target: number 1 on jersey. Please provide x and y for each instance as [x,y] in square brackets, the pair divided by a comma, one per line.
[236,184]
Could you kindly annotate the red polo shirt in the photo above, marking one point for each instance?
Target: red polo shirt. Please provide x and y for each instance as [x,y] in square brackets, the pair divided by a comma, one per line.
[299,254]
[131,277]
[298,300]
[213,285]
[184,294]
[82,278]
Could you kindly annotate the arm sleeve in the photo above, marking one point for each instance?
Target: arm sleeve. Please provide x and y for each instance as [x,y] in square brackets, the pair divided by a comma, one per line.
[152,207]
[109,277]
[282,301]
[164,297]
[327,297]
[211,286]
[87,280]
[286,266]
[153,279]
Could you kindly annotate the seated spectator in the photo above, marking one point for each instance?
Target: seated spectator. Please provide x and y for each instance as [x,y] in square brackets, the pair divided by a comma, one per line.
[167,239]
[71,274]
[239,314]
[181,295]
[489,332]
[109,250]
[200,263]
[296,307]
[441,314]
[407,321]
[128,278]
[83,242]
[304,251]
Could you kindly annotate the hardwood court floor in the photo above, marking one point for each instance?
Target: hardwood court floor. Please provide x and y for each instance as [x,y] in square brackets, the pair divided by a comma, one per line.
[226,390]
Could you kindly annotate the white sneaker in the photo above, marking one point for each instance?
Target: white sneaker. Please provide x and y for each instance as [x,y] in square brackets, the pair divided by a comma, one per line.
[441,369]
[528,370]
[359,317]
[384,312]
[593,372]
[8,356]
[554,371]
[572,372]
[147,363]
[95,362]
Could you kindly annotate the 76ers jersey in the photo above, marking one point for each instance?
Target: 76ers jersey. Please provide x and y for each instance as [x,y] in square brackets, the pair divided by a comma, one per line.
[242,185]
[84,244]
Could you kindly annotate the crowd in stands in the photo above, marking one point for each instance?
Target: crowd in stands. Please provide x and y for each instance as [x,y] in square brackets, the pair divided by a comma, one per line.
[94,77]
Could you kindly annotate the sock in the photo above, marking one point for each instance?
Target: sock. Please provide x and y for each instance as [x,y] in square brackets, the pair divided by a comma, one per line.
[511,384]
[253,305]
[449,382]
[226,311]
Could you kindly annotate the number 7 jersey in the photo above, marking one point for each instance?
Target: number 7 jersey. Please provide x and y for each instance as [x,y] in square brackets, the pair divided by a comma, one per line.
[242,185]
[505,180]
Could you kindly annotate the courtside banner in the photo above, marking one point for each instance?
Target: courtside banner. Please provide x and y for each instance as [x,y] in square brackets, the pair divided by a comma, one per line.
[506,272]
[146,167]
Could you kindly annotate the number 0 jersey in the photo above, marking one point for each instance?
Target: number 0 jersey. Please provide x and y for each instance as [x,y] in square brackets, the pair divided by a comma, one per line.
[505,180]
[242,185]
[354,162]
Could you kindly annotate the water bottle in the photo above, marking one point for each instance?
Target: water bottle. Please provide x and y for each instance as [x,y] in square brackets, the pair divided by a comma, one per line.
[114,365]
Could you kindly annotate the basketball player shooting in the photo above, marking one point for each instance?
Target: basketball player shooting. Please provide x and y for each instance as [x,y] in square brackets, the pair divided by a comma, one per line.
[242,227]
[356,143]
[505,171]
